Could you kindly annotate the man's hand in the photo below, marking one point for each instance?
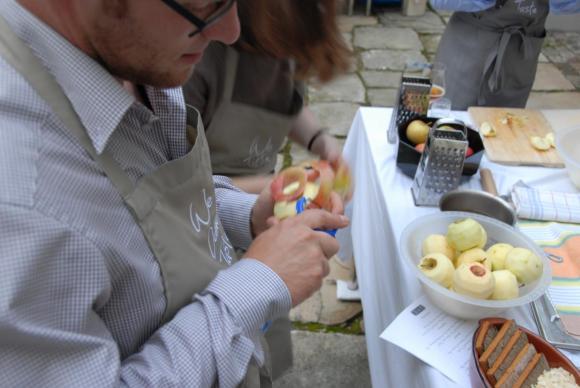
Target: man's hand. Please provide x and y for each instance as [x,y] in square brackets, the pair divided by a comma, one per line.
[298,253]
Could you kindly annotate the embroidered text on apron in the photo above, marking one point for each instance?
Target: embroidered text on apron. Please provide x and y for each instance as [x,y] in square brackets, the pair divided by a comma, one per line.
[244,139]
[174,205]
[491,56]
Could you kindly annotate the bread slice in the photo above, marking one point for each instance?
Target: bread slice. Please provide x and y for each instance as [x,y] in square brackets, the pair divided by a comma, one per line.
[492,332]
[517,367]
[533,371]
[490,354]
[517,341]
[486,334]
[483,331]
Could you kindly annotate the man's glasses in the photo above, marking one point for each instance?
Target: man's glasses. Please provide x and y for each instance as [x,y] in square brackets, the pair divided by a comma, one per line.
[207,12]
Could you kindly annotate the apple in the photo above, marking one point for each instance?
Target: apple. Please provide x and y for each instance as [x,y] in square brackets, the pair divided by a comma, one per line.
[473,279]
[420,147]
[417,132]
[469,152]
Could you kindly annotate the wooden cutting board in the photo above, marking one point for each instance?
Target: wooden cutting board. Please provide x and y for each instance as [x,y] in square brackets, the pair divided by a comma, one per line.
[514,129]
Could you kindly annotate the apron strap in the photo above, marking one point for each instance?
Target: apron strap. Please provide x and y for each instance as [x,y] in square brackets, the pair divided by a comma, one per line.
[493,62]
[18,55]
[232,59]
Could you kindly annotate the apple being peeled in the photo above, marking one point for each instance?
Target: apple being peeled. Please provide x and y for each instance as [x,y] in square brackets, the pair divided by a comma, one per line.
[417,132]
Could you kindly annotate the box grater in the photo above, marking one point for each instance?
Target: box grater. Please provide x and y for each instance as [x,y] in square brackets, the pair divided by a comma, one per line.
[441,164]
[412,101]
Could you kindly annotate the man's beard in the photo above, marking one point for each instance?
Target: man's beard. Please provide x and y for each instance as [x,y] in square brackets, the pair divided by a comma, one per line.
[125,53]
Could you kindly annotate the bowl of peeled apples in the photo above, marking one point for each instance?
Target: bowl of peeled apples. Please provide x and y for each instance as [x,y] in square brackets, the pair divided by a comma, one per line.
[472,266]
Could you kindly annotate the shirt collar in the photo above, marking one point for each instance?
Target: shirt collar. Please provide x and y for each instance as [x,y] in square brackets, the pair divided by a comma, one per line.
[97,97]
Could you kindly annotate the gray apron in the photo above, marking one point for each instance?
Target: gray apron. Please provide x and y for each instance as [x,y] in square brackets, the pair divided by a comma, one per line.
[174,205]
[491,56]
[245,139]
[260,134]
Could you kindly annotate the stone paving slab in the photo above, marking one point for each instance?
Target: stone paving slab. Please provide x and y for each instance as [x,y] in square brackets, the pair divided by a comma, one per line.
[322,306]
[347,23]
[382,97]
[570,40]
[427,23]
[279,162]
[337,116]
[548,77]
[347,88]
[327,360]
[430,42]
[557,100]
[575,79]
[390,59]
[300,154]
[381,79]
[542,58]
[381,37]
[347,36]
[558,54]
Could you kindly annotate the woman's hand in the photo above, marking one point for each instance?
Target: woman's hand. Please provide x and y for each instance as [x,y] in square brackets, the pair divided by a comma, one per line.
[327,147]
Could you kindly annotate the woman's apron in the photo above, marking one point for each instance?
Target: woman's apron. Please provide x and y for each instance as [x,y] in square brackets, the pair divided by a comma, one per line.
[245,139]
[174,205]
[491,56]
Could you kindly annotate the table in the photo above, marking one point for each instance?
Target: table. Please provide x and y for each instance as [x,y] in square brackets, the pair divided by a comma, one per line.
[381,208]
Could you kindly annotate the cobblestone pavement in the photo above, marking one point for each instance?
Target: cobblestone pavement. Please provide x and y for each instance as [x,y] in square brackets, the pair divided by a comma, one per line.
[382,44]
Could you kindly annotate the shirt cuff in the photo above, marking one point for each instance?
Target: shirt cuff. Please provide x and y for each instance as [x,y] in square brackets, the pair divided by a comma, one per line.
[252,292]
[234,209]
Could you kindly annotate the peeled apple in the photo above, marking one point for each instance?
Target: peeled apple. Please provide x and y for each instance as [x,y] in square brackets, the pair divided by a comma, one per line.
[285,209]
[473,279]
[465,234]
[506,285]
[473,255]
[497,254]
[437,267]
[524,264]
[550,139]
[483,240]
[308,186]
[437,243]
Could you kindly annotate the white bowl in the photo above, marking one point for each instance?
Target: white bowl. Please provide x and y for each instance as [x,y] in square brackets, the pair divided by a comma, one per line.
[568,146]
[463,306]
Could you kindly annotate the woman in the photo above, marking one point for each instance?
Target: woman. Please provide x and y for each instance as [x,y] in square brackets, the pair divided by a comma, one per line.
[251,95]
[490,49]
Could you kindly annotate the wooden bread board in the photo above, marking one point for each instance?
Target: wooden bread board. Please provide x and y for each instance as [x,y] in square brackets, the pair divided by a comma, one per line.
[512,145]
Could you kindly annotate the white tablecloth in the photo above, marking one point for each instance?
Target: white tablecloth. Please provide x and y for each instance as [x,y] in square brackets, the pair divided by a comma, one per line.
[381,208]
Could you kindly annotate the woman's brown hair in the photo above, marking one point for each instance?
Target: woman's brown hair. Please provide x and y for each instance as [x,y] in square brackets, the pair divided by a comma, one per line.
[303,30]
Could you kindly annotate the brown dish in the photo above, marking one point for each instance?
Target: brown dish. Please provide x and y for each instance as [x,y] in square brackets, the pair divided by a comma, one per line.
[503,330]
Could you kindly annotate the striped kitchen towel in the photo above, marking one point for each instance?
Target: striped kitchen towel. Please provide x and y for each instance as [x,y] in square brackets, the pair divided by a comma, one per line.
[562,243]
[545,205]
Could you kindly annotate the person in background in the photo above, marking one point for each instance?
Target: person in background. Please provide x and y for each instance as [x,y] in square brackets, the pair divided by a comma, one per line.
[115,266]
[490,49]
[251,94]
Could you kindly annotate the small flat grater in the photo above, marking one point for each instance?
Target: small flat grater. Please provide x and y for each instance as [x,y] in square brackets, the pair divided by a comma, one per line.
[412,101]
[441,165]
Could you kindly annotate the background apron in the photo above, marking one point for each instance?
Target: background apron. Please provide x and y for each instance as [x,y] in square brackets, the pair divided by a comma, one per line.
[245,139]
[491,56]
[174,205]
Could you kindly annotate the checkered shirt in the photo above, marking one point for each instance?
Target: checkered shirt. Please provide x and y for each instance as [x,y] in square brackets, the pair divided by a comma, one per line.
[81,294]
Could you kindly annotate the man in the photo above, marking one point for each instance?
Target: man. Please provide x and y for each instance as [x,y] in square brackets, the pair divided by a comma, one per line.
[115,267]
